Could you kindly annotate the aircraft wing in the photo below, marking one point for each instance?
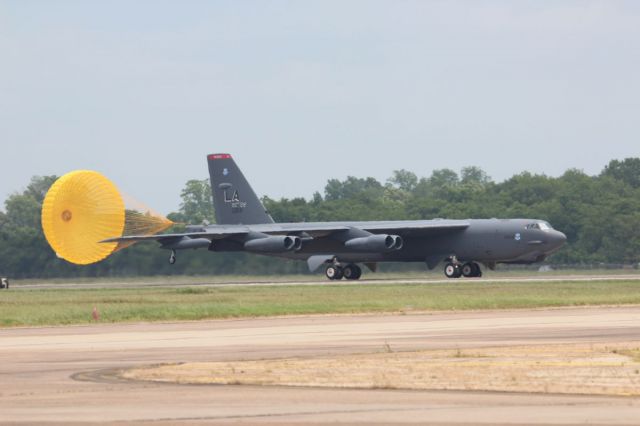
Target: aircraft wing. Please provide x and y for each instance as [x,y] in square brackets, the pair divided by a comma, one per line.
[317,230]
[217,233]
[402,228]
[420,228]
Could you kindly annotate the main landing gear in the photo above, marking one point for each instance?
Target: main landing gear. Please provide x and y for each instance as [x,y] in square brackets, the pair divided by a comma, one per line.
[467,270]
[349,272]
[172,257]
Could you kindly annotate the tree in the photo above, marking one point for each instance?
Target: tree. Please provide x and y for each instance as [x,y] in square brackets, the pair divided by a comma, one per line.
[403,179]
[474,177]
[352,187]
[443,178]
[197,205]
[23,249]
[627,170]
[599,215]
[23,209]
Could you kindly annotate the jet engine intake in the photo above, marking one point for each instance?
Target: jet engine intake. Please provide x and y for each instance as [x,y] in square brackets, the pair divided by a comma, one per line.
[274,244]
[375,243]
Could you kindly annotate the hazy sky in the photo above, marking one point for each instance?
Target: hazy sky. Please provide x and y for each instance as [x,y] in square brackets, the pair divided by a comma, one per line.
[303,91]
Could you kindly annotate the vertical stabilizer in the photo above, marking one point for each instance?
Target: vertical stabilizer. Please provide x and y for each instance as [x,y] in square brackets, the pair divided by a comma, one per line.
[234,201]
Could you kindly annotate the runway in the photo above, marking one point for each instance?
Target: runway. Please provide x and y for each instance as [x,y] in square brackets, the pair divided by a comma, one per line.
[369,279]
[66,374]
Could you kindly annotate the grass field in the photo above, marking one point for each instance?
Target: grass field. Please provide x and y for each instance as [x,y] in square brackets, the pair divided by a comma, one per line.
[65,306]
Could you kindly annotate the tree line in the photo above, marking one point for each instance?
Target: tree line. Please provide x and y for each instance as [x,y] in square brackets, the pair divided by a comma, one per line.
[599,214]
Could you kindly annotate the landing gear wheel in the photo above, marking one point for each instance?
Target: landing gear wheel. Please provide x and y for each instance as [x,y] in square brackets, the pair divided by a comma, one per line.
[452,270]
[334,272]
[471,270]
[172,258]
[352,272]
[467,270]
[477,271]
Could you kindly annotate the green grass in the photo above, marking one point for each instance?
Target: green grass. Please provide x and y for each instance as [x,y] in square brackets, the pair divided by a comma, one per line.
[56,307]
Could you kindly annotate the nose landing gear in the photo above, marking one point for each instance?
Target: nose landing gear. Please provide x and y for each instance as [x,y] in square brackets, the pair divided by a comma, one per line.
[172,257]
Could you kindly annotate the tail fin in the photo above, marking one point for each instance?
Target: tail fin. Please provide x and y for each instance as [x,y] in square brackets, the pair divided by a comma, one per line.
[233,199]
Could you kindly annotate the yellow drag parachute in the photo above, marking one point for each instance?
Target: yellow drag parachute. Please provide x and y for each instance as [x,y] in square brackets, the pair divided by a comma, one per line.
[83,208]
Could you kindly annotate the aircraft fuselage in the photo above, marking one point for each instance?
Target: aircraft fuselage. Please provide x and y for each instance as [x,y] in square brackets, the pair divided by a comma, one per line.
[488,241]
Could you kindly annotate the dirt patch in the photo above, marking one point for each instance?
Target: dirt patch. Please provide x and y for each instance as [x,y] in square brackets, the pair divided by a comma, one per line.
[595,369]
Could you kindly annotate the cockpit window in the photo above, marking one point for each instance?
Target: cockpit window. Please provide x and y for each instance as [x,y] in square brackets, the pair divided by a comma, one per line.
[544,226]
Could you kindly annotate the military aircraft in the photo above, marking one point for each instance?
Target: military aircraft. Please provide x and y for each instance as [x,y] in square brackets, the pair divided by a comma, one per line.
[243,224]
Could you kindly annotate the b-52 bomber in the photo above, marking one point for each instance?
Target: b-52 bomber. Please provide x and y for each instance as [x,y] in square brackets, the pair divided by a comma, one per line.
[243,224]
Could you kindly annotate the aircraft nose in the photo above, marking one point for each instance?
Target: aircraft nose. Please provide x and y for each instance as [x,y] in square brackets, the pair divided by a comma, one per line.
[557,238]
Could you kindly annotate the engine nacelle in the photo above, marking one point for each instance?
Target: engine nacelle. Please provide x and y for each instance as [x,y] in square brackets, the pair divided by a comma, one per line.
[273,244]
[187,243]
[375,243]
